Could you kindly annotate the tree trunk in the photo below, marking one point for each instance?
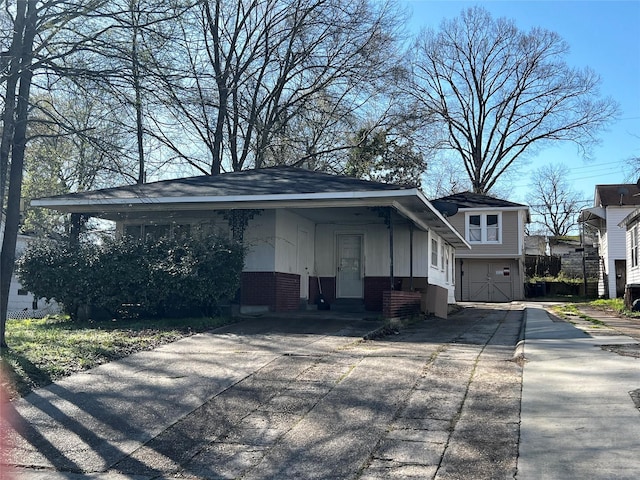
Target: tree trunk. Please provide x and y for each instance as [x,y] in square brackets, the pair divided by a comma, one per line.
[12,221]
[10,99]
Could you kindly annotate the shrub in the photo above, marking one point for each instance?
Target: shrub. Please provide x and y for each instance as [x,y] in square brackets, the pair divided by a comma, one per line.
[165,277]
[55,271]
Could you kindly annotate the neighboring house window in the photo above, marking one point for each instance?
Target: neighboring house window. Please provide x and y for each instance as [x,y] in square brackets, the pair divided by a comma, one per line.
[484,228]
[181,231]
[634,246]
[434,252]
[156,232]
[133,231]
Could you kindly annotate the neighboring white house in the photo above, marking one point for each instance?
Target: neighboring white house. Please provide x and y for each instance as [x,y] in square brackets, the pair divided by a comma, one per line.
[22,303]
[304,230]
[631,225]
[611,205]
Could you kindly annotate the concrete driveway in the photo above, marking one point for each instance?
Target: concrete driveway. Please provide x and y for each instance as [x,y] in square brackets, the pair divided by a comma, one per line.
[288,399]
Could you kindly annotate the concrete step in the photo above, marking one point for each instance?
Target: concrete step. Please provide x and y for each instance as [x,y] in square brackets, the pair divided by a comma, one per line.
[347,305]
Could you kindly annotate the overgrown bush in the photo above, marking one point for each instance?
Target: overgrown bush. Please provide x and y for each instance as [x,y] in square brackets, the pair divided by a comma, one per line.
[54,271]
[167,277]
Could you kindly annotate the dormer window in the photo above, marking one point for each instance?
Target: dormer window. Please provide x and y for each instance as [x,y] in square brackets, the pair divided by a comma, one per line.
[484,227]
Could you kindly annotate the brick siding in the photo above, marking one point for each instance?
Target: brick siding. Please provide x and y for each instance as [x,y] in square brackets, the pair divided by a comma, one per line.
[373,289]
[279,291]
[396,304]
[328,289]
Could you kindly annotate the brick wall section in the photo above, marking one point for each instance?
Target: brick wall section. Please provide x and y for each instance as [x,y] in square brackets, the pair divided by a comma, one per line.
[396,304]
[279,291]
[328,289]
[373,289]
[287,292]
[571,263]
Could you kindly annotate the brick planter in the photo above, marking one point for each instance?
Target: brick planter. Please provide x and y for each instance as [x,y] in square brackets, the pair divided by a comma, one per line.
[398,304]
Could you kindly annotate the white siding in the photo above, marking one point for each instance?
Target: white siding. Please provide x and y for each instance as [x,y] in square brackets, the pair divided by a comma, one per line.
[613,245]
[18,302]
[286,241]
[260,240]
[633,272]
[402,252]
[376,253]
[375,247]
[438,274]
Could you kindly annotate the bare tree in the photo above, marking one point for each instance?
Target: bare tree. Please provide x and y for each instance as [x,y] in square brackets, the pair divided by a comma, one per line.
[259,73]
[444,177]
[76,143]
[16,103]
[499,92]
[131,52]
[554,204]
[35,25]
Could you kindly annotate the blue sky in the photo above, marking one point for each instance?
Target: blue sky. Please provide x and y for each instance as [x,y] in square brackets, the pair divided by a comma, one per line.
[603,35]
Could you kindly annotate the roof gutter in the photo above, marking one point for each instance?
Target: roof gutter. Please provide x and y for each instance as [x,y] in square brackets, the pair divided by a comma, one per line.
[53,202]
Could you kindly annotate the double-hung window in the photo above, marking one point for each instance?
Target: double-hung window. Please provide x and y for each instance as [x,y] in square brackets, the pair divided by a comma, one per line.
[434,252]
[446,263]
[484,227]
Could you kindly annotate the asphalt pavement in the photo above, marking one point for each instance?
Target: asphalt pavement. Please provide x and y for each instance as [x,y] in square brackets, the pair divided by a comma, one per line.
[309,398]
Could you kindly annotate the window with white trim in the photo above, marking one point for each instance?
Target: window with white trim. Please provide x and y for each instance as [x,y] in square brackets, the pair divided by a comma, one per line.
[446,264]
[452,265]
[484,227]
[434,252]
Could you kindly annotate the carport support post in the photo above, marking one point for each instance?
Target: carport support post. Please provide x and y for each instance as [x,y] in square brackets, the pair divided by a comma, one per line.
[411,257]
[387,214]
[390,225]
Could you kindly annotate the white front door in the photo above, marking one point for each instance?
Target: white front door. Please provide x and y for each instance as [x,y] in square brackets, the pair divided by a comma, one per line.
[350,266]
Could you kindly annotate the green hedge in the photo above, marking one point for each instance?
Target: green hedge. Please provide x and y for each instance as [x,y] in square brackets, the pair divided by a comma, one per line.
[167,277]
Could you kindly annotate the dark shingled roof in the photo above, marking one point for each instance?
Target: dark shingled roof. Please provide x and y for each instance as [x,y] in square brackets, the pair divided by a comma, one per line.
[265,181]
[619,194]
[476,200]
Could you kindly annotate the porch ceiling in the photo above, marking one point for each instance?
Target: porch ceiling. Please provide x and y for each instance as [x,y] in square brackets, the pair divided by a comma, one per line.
[593,216]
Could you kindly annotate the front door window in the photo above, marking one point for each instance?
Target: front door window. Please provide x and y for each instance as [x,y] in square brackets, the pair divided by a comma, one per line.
[350,266]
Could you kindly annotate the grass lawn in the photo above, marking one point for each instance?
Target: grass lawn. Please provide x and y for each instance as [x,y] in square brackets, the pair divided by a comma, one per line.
[568,310]
[43,350]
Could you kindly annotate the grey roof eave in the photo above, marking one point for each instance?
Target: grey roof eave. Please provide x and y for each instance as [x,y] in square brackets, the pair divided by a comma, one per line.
[411,203]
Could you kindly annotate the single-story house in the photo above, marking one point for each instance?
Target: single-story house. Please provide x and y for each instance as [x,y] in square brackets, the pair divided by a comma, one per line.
[305,231]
